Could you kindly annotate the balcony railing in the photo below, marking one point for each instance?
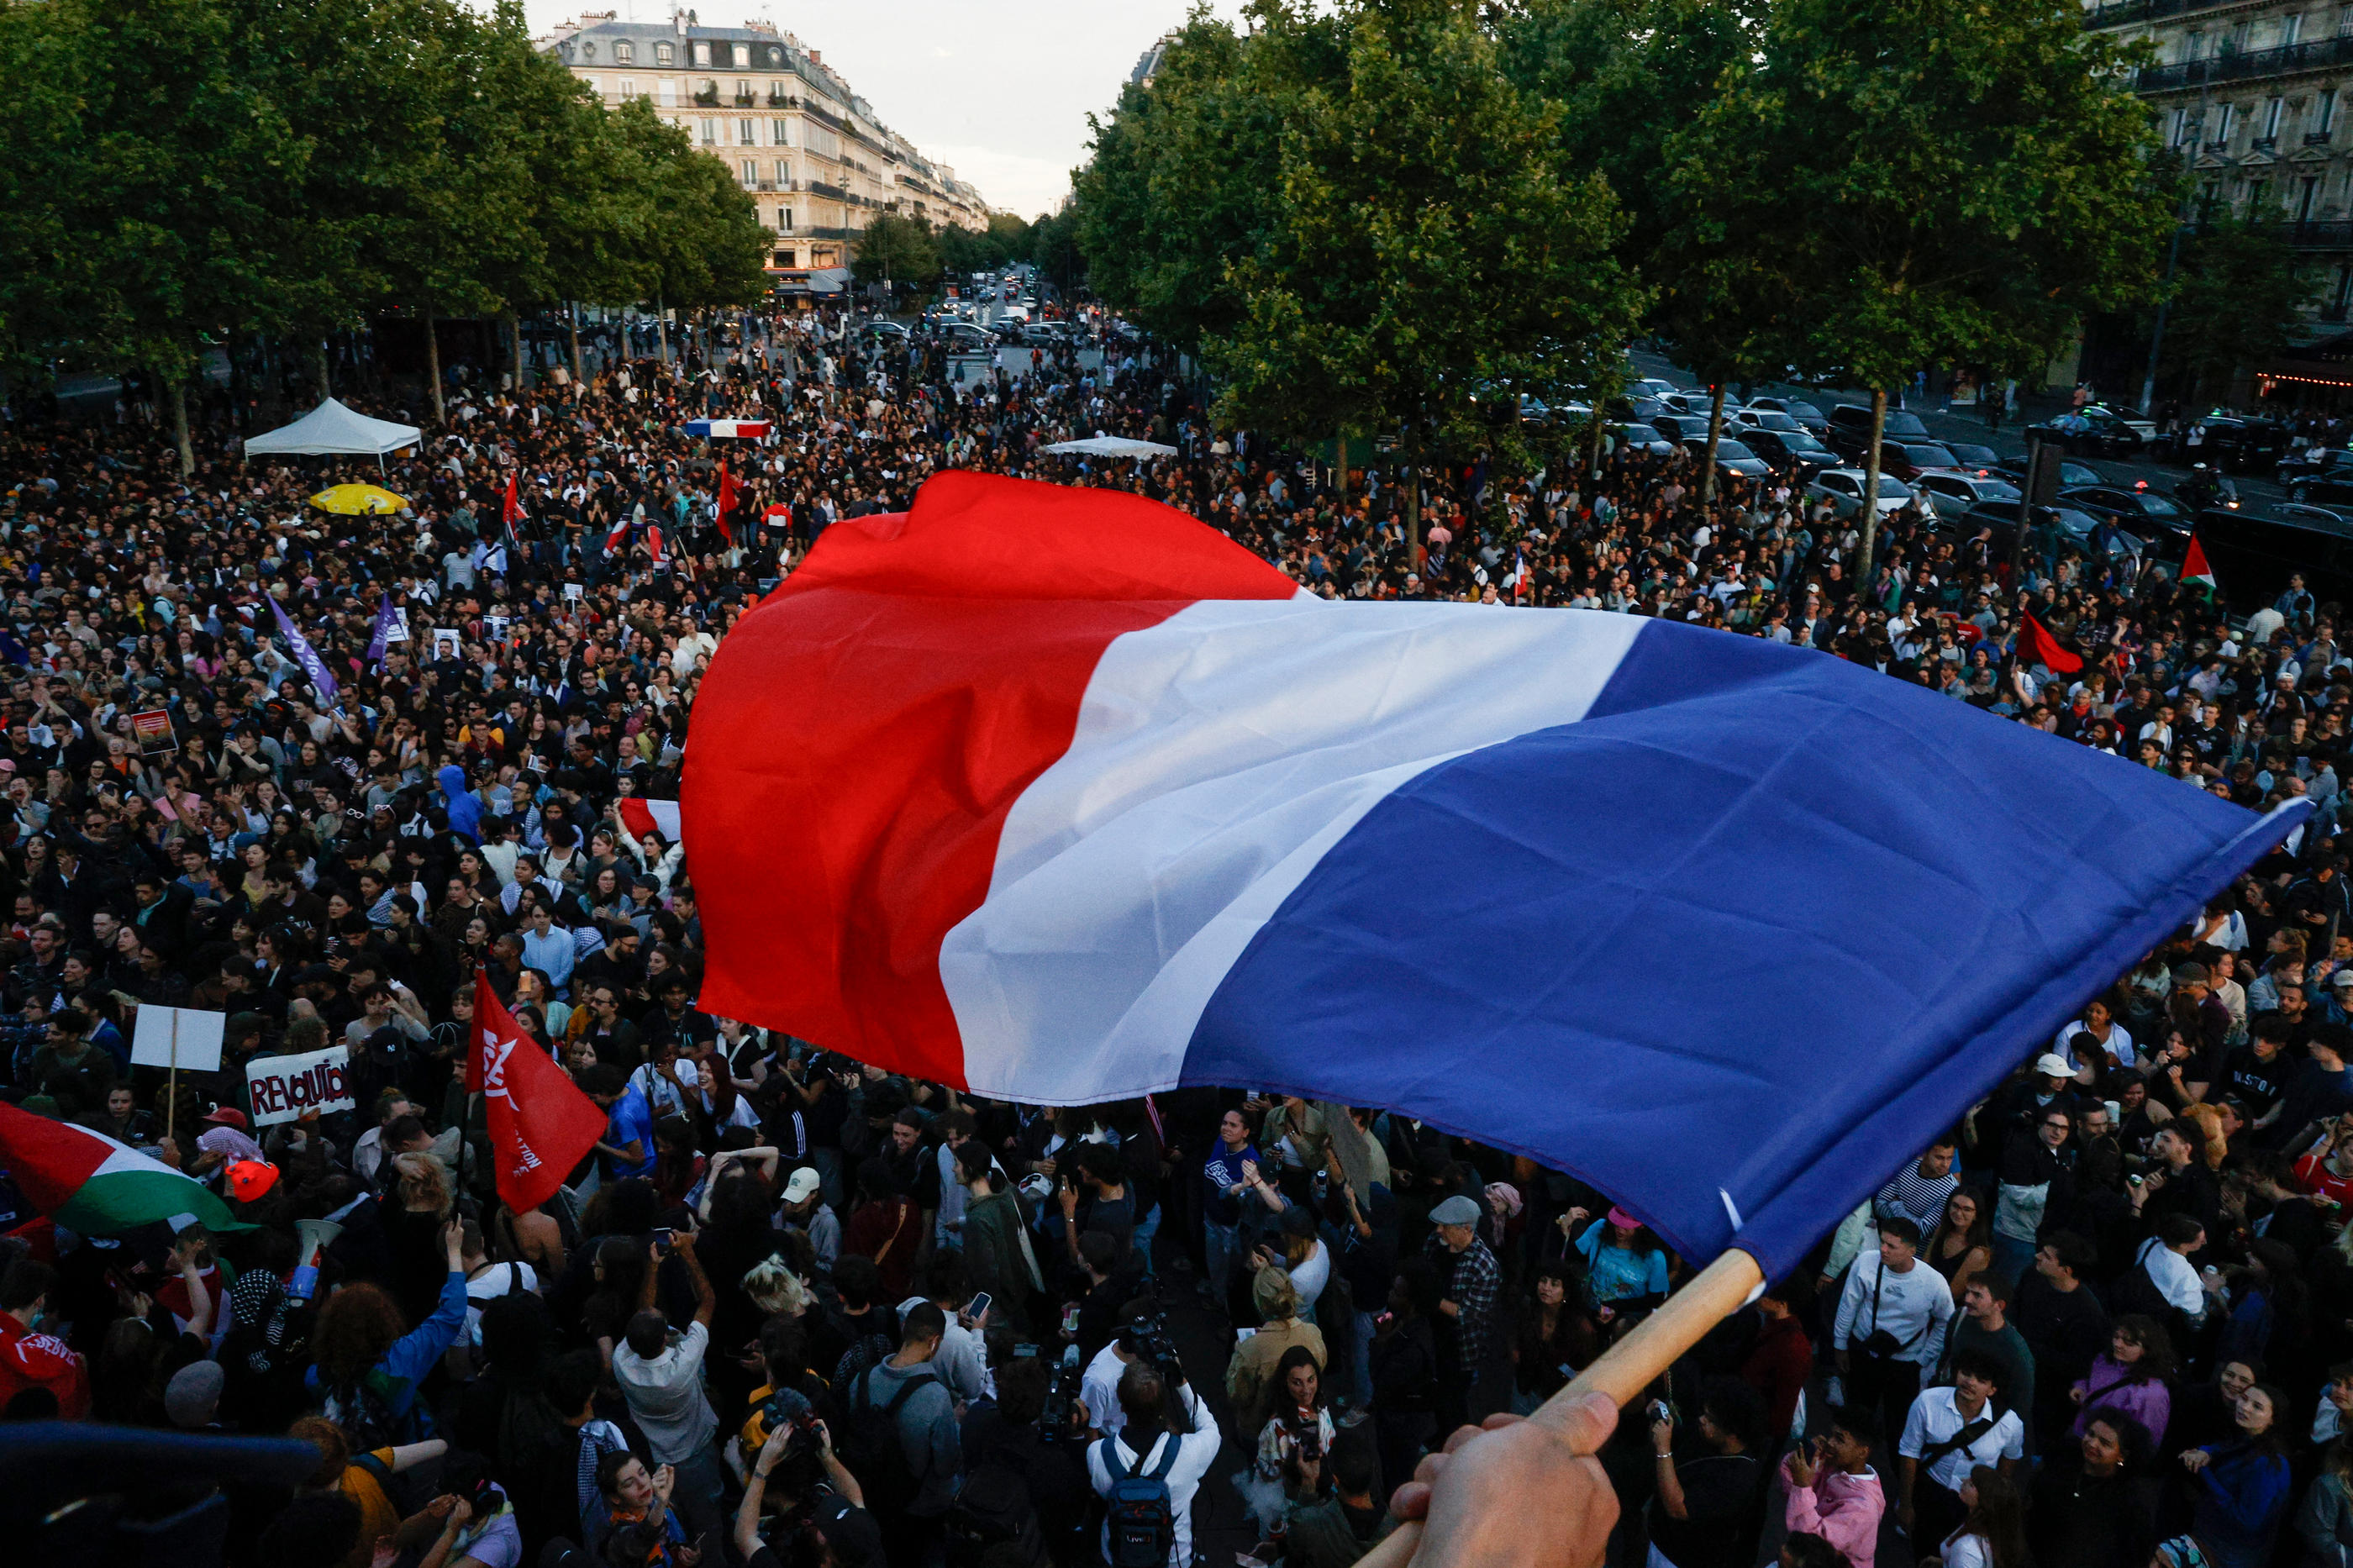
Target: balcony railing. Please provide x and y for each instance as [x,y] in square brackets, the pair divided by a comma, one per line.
[2264,145]
[831,193]
[745,100]
[2121,11]
[2321,53]
[783,100]
[2317,138]
[2333,234]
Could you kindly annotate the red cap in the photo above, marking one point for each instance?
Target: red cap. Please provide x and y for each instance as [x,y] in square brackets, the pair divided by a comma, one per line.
[227,1116]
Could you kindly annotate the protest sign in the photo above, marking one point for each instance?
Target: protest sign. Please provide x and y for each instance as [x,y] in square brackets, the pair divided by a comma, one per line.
[152,730]
[177,1037]
[283,1088]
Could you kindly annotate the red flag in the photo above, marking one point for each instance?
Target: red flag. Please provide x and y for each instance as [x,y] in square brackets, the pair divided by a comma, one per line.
[728,499]
[654,543]
[512,512]
[620,531]
[541,1124]
[2037,645]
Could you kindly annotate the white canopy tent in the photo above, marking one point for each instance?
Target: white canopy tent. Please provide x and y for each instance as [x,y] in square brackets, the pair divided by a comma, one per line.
[1114,447]
[332,428]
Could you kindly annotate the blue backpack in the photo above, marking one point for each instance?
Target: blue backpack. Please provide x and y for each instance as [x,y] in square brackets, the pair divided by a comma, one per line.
[1141,1517]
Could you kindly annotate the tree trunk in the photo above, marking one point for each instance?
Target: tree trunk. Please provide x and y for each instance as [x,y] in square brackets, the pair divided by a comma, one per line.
[1714,434]
[572,319]
[317,347]
[514,337]
[1593,440]
[176,405]
[1870,491]
[432,368]
[661,329]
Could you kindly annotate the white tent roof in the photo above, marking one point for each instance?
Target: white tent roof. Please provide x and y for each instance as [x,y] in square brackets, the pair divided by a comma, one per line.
[1114,447]
[331,427]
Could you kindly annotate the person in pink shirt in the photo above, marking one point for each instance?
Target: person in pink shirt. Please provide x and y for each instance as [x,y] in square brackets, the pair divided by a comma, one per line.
[1833,1491]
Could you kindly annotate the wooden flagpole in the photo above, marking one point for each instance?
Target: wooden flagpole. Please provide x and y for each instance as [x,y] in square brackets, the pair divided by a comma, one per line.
[1626,1369]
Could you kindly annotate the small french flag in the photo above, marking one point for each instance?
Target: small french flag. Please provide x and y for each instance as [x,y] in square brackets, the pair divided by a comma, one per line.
[641,817]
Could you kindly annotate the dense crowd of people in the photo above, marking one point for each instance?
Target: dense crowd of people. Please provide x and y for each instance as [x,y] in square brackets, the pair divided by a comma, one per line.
[798,1310]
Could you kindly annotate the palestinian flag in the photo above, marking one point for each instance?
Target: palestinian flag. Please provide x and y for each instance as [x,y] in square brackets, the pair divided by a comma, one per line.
[2194,568]
[87,1181]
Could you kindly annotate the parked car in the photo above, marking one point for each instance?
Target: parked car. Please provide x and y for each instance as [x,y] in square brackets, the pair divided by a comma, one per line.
[1643,438]
[883,327]
[1650,386]
[2316,463]
[2141,512]
[1974,458]
[1842,488]
[2093,429]
[1754,418]
[1694,400]
[1681,427]
[1796,408]
[1731,456]
[2239,446]
[1792,452]
[1850,429]
[2323,490]
[2071,474]
[2081,528]
[1910,459]
[1951,492]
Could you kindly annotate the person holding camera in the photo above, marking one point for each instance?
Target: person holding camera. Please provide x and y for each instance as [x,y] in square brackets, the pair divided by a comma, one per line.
[1701,1514]
[1297,1426]
[1147,1475]
[808,1490]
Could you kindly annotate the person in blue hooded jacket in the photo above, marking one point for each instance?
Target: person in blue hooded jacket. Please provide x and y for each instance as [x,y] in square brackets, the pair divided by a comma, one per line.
[367,1369]
[465,811]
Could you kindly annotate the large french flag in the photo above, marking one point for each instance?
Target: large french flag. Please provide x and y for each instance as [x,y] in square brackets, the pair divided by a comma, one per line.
[1060,796]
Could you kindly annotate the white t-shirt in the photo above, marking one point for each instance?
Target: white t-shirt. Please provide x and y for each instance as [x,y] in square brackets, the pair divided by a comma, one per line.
[2120,1041]
[1099,1392]
[1196,1451]
[1936,1416]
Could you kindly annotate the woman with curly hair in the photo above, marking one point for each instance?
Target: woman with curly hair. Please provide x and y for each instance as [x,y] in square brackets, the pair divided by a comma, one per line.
[366,1369]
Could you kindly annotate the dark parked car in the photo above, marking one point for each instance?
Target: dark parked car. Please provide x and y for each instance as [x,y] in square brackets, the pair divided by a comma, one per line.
[2239,446]
[1979,461]
[1909,459]
[1794,452]
[1796,408]
[2081,528]
[1731,456]
[2143,512]
[1642,438]
[2255,552]
[2093,430]
[2337,492]
[1682,427]
[1850,429]
[2070,474]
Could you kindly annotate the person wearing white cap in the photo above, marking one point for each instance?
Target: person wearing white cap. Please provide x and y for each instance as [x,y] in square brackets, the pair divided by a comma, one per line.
[2037,1169]
[805,1209]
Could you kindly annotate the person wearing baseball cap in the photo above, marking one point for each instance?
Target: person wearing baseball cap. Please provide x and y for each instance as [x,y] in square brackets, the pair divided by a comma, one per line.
[225,1135]
[805,1209]
[1469,1285]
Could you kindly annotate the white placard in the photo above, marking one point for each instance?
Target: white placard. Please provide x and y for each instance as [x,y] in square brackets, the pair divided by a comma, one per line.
[281,1089]
[198,1047]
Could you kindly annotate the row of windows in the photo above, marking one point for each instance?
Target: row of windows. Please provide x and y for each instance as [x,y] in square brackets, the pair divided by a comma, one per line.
[747,133]
[704,53]
[2223,119]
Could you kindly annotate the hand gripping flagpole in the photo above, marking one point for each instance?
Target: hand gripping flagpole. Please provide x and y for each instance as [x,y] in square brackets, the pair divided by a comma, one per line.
[1623,1373]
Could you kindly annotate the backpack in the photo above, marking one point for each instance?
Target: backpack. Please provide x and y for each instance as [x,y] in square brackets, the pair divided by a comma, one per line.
[871,1450]
[1140,1516]
[993,1508]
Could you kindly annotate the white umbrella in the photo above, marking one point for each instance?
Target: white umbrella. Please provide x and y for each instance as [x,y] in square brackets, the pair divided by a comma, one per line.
[1114,447]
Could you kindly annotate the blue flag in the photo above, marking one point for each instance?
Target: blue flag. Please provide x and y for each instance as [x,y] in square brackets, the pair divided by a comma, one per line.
[14,651]
[304,654]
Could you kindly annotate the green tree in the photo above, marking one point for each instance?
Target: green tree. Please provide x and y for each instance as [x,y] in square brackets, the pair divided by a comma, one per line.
[2234,297]
[1426,255]
[1183,182]
[1929,181]
[897,248]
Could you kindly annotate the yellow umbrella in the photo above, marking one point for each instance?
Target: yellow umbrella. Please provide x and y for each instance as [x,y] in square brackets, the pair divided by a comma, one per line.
[352,500]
